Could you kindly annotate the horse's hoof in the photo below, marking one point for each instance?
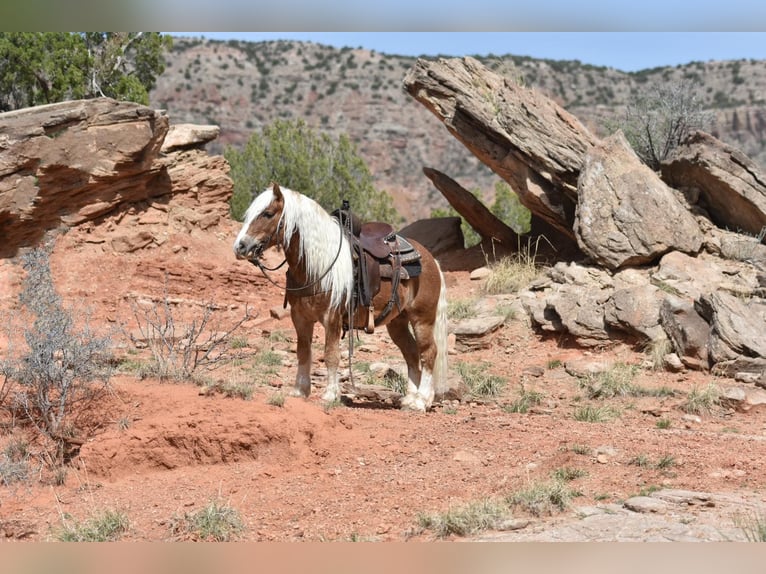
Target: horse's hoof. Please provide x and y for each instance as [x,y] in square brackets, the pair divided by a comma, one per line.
[296,392]
[330,397]
[413,403]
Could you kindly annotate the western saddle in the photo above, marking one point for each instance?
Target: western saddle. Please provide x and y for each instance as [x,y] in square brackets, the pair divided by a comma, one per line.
[379,254]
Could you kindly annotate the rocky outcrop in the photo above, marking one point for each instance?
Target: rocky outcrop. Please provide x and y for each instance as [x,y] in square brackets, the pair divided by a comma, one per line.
[728,185]
[74,162]
[527,139]
[658,263]
[626,215]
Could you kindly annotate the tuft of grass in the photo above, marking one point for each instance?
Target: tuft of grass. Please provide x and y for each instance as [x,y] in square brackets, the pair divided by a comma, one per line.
[478,380]
[753,525]
[328,406]
[14,462]
[268,358]
[702,401]
[395,381]
[238,343]
[276,399]
[615,382]
[239,390]
[105,526]
[591,414]
[640,460]
[12,471]
[666,461]
[581,449]
[554,364]
[663,424]
[656,351]
[543,498]
[525,400]
[513,273]
[278,337]
[466,519]
[215,522]
[461,309]
[568,474]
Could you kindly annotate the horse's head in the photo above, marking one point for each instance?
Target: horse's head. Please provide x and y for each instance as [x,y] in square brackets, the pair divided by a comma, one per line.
[261,227]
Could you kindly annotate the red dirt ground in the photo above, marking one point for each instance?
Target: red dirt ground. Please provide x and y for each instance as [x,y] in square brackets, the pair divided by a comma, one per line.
[306,472]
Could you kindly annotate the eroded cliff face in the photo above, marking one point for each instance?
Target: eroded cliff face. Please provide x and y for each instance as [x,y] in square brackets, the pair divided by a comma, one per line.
[69,163]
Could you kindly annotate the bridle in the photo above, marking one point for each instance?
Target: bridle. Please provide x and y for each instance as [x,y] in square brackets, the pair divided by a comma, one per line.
[257,262]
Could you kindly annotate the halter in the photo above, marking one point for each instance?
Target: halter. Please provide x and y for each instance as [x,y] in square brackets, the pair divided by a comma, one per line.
[263,268]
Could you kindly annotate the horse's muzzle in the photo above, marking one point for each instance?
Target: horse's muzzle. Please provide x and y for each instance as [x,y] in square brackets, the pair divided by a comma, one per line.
[250,250]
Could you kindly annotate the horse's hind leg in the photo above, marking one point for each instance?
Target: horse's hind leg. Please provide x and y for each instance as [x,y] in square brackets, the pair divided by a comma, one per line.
[399,331]
[304,330]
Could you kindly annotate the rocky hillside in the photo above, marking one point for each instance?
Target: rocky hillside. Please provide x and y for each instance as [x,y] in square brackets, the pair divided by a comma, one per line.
[242,86]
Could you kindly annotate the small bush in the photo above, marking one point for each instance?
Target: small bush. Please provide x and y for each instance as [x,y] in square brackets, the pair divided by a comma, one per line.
[395,381]
[658,119]
[615,382]
[179,350]
[65,367]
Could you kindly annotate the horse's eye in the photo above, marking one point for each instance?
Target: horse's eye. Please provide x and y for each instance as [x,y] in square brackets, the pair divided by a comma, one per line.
[267,214]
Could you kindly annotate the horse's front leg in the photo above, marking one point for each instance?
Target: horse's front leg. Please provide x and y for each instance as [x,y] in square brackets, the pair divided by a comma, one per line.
[332,326]
[304,330]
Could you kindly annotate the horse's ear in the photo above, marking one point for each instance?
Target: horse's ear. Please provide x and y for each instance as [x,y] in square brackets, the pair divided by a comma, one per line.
[276,190]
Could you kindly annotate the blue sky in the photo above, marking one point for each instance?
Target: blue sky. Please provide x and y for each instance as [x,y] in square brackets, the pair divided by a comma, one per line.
[627,51]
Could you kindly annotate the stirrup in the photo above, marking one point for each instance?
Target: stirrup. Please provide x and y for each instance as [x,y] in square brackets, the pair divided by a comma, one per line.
[370,327]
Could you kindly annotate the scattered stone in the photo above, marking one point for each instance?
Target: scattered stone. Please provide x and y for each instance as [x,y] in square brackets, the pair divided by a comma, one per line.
[646,505]
[480,273]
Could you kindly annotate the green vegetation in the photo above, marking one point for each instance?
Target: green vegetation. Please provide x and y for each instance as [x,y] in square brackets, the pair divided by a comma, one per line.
[458,309]
[65,366]
[105,526]
[46,67]
[276,399]
[513,273]
[525,400]
[216,522]
[659,118]
[507,207]
[753,525]
[702,401]
[538,499]
[480,383]
[298,157]
[591,414]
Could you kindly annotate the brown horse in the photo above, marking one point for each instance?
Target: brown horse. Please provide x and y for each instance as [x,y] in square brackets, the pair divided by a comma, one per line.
[320,282]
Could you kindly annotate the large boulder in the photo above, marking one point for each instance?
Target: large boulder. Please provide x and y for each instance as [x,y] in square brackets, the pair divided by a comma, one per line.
[526,138]
[726,183]
[626,215]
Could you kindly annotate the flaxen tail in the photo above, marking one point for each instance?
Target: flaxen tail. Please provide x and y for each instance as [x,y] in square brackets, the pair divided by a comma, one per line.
[441,332]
